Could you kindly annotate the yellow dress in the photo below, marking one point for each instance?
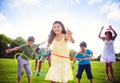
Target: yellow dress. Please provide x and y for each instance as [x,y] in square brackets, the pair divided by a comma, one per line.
[60,70]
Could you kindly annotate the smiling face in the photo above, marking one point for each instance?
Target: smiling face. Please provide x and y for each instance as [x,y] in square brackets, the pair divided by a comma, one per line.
[57,28]
[30,43]
[83,49]
[108,35]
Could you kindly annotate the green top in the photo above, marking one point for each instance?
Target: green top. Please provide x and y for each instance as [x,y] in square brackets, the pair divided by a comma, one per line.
[28,50]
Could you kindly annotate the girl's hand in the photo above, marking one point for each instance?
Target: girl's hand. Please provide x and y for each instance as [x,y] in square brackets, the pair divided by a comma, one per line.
[110,27]
[69,33]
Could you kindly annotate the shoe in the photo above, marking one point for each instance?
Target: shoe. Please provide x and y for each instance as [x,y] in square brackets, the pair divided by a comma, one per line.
[38,74]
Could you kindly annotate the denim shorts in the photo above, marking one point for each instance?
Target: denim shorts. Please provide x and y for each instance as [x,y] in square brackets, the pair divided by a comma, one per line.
[87,69]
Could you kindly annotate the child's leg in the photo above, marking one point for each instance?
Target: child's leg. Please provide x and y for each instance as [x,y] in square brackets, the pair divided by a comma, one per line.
[42,59]
[79,80]
[53,82]
[89,72]
[29,79]
[20,69]
[91,80]
[107,69]
[36,63]
[28,71]
[40,66]
[49,59]
[111,69]
[79,72]
[19,79]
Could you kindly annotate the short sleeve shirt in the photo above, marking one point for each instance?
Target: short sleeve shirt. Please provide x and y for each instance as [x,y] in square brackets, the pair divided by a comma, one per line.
[44,53]
[87,54]
[28,50]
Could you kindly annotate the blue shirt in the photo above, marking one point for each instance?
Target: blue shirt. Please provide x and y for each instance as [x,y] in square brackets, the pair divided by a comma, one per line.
[87,54]
[43,53]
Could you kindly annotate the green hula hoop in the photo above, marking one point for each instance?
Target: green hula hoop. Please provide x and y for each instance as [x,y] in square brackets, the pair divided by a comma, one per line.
[21,54]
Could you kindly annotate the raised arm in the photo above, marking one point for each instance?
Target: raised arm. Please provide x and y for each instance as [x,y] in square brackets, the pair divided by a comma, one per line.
[13,49]
[69,37]
[115,34]
[103,38]
[42,42]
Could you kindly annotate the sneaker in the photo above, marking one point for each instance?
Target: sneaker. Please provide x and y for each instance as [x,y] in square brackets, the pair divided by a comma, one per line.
[38,74]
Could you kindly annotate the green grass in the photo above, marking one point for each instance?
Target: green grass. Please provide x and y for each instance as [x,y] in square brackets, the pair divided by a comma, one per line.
[8,72]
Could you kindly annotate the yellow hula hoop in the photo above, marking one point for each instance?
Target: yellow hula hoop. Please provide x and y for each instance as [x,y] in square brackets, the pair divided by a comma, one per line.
[21,54]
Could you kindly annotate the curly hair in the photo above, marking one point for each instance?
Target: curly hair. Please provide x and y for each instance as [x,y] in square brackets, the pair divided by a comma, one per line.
[52,34]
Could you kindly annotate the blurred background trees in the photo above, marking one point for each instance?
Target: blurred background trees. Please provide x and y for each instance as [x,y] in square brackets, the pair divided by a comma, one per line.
[6,42]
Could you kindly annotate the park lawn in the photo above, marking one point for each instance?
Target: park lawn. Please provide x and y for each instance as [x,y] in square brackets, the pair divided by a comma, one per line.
[8,72]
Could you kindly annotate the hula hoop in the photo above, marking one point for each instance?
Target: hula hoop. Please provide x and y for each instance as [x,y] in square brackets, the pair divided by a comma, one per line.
[71,57]
[21,54]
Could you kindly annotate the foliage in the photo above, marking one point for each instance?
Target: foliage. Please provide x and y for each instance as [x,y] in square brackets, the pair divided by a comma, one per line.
[6,42]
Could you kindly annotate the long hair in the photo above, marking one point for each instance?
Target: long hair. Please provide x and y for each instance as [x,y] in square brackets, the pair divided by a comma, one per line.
[52,34]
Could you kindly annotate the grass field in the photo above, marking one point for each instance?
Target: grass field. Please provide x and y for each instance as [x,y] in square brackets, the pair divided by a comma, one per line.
[8,72]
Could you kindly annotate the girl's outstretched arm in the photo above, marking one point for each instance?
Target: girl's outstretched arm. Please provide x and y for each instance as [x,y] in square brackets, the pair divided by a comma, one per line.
[103,38]
[69,36]
[115,34]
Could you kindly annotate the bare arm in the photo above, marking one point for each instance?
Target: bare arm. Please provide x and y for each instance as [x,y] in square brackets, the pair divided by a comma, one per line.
[115,34]
[48,45]
[103,38]
[73,64]
[13,49]
[69,37]
[91,57]
[43,42]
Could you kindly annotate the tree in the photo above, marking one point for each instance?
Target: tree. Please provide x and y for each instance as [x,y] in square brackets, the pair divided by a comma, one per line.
[4,43]
[15,43]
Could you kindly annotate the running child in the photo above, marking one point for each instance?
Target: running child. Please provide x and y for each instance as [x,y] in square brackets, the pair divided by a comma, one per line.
[37,57]
[44,56]
[83,58]
[23,62]
[60,70]
[108,54]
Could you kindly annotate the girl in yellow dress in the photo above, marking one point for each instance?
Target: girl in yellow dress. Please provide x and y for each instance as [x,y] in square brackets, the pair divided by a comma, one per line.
[60,70]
